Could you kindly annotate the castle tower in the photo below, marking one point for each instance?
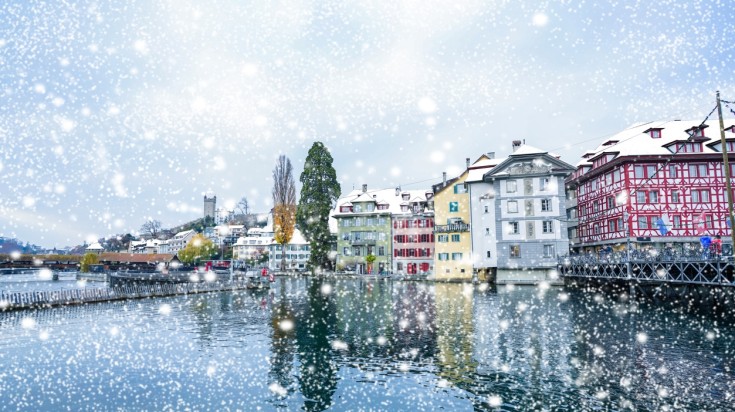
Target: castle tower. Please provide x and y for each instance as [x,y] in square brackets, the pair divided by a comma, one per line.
[210,205]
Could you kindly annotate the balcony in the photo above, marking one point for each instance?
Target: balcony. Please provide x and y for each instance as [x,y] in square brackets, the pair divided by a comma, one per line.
[363,242]
[454,227]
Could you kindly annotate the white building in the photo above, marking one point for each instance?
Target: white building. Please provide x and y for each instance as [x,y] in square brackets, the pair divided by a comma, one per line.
[527,193]
[176,243]
[483,216]
[261,241]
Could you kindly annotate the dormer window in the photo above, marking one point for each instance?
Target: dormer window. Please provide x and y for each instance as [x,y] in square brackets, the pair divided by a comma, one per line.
[654,132]
[696,132]
[345,209]
[405,196]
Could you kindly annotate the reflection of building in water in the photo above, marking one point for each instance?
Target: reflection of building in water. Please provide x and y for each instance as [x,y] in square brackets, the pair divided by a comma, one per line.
[524,340]
[454,332]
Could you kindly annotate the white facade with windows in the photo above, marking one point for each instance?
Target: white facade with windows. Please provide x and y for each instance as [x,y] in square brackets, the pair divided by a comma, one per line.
[519,216]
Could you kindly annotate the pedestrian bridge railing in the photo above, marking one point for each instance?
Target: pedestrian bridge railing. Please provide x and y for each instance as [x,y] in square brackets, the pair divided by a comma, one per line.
[660,268]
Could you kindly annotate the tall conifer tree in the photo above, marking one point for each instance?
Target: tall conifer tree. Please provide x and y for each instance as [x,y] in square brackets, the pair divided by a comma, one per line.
[319,193]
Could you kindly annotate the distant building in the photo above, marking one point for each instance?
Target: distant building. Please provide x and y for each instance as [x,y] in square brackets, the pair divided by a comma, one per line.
[210,206]
[413,232]
[260,243]
[364,224]
[452,236]
[95,248]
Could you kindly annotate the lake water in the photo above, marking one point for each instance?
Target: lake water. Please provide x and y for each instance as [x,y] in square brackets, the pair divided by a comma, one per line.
[360,344]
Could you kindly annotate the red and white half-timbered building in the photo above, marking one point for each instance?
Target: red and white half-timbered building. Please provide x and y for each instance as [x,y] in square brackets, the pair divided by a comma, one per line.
[666,179]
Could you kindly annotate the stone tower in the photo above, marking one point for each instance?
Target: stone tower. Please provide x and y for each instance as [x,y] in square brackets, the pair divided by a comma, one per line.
[210,205]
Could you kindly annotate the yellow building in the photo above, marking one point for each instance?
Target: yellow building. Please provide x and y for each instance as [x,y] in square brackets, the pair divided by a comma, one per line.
[452,236]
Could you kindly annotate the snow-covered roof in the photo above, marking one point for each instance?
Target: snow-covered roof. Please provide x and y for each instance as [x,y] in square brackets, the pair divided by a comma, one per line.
[381,196]
[527,149]
[479,168]
[184,233]
[95,246]
[296,239]
[635,141]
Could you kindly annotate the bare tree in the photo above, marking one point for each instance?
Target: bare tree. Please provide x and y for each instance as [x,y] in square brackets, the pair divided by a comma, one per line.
[284,204]
[151,227]
[243,206]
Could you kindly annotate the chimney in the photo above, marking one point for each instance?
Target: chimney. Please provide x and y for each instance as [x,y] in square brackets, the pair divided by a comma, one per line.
[444,179]
[516,145]
[467,160]
[364,188]
[491,155]
[398,190]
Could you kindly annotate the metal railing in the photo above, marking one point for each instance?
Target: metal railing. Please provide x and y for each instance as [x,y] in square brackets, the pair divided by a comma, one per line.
[687,267]
[24,300]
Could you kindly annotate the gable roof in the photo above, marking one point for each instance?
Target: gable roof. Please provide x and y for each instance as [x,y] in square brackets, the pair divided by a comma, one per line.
[525,153]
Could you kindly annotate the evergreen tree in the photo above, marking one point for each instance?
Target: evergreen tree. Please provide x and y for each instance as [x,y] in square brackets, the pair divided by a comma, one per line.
[319,193]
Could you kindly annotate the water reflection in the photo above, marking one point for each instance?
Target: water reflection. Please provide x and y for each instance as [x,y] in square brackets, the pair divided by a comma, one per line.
[359,344]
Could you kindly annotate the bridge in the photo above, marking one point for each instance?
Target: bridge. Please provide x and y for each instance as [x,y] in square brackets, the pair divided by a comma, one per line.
[644,268]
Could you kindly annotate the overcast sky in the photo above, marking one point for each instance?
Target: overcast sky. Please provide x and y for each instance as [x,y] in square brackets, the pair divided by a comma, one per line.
[113,112]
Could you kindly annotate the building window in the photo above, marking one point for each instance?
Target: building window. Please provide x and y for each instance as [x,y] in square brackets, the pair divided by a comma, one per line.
[513,228]
[549,251]
[487,209]
[370,207]
[443,256]
[544,184]
[700,196]
[643,222]
[546,205]
[640,197]
[530,229]
[455,238]
[460,188]
[487,231]
[381,250]
[453,207]
[616,175]
[698,170]
[611,226]
[674,196]
[653,196]
[548,226]
[510,186]
[512,206]
[644,171]
[487,254]
[655,133]
[676,222]
[610,202]
[515,251]
[672,171]
[442,238]
[346,251]
[456,256]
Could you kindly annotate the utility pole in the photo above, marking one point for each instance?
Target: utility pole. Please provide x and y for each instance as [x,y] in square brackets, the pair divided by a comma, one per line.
[726,162]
